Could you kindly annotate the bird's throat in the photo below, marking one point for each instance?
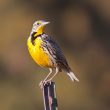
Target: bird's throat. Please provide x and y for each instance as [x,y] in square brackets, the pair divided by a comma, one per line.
[39,31]
[36,34]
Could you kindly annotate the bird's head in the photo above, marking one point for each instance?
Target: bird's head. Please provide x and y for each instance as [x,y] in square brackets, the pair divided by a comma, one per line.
[38,27]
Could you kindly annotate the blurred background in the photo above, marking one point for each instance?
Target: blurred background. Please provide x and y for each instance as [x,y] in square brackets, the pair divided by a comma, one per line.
[81,27]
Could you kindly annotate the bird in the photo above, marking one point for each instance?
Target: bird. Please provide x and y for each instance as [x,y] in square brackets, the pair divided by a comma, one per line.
[46,52]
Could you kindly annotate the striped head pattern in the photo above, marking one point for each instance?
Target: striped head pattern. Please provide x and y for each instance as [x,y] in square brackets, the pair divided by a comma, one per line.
[38,27]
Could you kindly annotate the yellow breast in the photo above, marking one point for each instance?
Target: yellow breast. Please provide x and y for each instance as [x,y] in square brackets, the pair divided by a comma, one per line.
[38,54]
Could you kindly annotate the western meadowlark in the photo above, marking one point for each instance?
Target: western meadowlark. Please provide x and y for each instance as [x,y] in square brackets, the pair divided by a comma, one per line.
[46,52]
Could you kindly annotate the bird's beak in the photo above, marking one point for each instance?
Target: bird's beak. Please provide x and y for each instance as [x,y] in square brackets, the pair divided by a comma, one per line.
[45,23]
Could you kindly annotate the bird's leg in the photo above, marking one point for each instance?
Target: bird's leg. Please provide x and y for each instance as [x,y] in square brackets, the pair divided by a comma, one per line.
[44,81]
[57,70]
[51,70]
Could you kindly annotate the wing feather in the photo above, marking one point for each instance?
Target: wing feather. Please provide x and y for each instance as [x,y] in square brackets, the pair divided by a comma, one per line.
[55,52]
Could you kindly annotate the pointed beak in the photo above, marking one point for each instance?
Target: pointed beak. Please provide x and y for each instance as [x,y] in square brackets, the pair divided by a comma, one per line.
[45,23]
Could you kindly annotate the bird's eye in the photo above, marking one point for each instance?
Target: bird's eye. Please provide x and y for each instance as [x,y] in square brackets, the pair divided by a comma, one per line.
[38,23]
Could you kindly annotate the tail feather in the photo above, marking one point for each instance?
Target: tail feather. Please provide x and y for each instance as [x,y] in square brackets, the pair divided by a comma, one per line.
[72,76]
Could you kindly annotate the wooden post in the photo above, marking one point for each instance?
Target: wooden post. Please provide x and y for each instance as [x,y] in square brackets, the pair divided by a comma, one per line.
[49,96]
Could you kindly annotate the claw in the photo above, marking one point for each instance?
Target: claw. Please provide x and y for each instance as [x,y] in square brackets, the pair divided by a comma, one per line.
[47,82]
[43,83]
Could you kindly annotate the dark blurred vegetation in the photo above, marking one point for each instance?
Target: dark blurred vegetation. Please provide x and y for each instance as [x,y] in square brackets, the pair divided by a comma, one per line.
[81,27]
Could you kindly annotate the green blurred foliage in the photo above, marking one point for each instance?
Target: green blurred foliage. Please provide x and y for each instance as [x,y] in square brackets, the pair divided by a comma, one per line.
[82,28]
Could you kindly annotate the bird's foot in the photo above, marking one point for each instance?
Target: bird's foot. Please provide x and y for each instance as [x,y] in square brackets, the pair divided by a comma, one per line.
[47,82]
[43,83]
